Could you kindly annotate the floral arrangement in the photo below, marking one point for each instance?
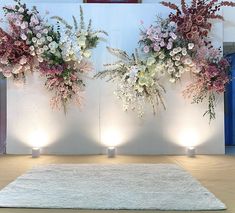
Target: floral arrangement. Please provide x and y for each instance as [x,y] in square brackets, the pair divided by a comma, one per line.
[170,48]
[138,81]
[187,31]
[210,70]
[66,60]
[61,55]
[193,21]
[15,56]
[163,44]
[19,51]
[211,80]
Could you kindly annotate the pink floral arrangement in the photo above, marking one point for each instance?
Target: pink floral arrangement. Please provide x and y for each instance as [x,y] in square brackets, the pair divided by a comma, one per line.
[193,21]
[15,57]
[64,87]
[210,71]
[65,83]
[209,82]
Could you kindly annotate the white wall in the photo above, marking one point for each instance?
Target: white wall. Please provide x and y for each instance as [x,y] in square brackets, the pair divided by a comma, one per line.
[229,24]
[102,121]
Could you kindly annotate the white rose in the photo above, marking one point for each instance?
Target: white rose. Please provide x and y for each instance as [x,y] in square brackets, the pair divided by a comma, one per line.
[190,46]
[39,42]
[177,58]
[181,69]
[184,52]
[49,38]
[87,53]
[161,56]
[179,49]
[53,45]
[24,37]
[45,47]
[188,61]
[45,31]
[172,53]
[41,50]
[175,51]
[23,26]
[171,70]
[34,39]
[21,10]
[31,48]
[177,63]
[177,75]
[39,35]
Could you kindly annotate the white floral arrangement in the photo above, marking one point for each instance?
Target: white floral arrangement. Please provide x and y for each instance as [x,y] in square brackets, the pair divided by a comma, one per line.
[137,81]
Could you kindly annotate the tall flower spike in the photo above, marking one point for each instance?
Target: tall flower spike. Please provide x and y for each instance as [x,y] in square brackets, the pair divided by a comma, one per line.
[170,5]
[183,6]
[82,23]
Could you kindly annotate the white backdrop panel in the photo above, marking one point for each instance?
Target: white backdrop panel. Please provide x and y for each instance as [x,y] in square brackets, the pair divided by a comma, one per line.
[102,122]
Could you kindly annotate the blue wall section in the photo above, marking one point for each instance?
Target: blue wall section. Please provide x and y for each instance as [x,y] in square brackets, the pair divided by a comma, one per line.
[229,106]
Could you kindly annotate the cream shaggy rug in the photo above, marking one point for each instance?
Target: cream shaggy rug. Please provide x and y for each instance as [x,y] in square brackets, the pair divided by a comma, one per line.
[104,186]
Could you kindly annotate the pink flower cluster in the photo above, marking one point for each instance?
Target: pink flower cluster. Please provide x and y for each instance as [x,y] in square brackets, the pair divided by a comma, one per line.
[65,89]
[215,76]
[162,43]
[157,38]
[64,82]
[193,21]
[47,69]
[193,25]
[28,26]
[20,50]
[15,57]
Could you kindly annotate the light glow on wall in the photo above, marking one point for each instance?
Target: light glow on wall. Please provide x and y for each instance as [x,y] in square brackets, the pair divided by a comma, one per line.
[111,137]
[38,138]
[187,129]
[188,137]
[32,123]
